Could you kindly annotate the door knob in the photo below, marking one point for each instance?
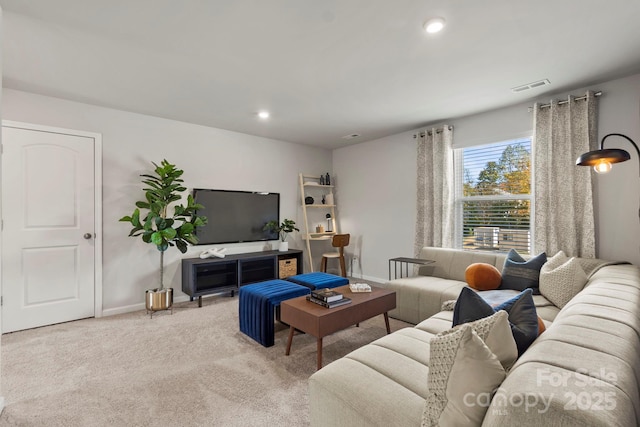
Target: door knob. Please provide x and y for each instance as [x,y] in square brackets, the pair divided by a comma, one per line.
[87,236]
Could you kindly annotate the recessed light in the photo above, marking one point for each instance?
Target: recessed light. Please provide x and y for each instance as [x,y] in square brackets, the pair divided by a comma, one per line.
[263,114]
[434,25]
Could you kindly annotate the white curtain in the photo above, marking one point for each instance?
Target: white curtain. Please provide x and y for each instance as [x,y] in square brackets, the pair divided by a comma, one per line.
[435,192]
[564,218]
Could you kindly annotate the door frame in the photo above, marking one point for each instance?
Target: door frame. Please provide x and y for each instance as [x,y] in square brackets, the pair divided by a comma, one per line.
[97,183]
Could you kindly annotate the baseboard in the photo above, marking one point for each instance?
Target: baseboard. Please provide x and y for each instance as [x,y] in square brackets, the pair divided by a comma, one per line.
[137,307]
[183,298]
[370,278]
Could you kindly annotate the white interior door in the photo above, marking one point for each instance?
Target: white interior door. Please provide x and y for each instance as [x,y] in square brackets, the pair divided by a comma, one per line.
[48,233]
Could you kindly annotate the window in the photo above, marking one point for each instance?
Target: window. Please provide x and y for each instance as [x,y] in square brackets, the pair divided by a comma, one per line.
[493,196]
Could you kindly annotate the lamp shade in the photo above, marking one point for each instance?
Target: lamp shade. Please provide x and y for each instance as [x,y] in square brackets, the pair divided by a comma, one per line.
[611,155]
[602,159]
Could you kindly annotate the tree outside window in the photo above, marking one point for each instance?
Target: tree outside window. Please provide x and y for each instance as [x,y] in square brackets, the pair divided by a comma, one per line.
[493,204]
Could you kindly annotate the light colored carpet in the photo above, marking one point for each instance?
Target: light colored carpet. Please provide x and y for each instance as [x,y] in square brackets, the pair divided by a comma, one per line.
[192,368]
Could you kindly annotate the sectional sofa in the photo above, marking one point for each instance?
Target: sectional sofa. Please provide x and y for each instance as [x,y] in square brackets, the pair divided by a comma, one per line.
[584,369]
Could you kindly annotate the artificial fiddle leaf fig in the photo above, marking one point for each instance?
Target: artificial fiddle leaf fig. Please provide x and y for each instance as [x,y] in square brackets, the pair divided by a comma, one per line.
[165,224]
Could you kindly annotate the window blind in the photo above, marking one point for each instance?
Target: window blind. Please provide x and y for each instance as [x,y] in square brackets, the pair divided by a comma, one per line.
[493,196]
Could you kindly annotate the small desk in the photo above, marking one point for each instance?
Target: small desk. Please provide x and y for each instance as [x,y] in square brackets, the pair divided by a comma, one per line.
[406,262]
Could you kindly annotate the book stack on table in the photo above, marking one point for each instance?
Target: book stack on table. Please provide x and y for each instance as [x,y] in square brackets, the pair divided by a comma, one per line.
[328,298]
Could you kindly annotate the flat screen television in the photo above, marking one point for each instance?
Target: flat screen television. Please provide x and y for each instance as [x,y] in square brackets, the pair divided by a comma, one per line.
[236,216]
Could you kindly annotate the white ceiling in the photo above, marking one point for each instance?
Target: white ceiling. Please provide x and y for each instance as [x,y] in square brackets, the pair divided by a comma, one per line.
[323,68]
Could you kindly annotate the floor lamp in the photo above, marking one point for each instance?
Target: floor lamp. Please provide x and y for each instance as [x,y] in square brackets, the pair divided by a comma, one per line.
[602,159]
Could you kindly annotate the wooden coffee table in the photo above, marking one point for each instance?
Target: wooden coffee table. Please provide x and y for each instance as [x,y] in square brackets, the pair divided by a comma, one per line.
[319,321]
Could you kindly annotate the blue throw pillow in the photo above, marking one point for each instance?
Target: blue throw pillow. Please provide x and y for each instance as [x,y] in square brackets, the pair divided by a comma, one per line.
[523,316]
[470,307]
[519,274]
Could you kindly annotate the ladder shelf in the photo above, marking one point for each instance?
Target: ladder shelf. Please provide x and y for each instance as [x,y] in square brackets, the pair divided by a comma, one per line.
[315,213]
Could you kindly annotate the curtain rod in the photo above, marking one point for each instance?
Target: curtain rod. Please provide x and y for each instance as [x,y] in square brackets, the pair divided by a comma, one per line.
[421,134]
[578,98]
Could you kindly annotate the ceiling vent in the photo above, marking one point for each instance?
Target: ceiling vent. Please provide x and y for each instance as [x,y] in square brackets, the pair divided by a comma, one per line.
[351,136]
[530,86]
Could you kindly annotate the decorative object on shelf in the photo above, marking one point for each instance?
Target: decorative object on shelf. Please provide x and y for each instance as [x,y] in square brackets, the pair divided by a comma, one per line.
[323,200]
[321,179]
[287,226]
[329,199]
[213,252]
[329,228]
[327,179]
[308,200]
[319,229]
[287,267]
[161,228]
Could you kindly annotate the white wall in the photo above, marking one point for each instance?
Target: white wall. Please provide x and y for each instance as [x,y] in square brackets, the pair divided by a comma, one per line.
[375,195]
[378,179]
[211,158]
[618,192]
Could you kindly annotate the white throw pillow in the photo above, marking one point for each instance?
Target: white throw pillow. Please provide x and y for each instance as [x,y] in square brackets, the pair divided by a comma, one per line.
[561,278]
[495,332]
[462,371]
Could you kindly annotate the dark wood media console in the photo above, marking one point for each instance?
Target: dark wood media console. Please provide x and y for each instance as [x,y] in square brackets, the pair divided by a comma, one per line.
[215,275]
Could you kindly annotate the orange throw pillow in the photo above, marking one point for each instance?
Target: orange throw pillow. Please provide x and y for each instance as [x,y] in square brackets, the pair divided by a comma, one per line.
[541,326]
[482,277]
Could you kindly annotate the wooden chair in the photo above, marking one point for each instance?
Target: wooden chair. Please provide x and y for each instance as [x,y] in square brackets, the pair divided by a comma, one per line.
[339,241]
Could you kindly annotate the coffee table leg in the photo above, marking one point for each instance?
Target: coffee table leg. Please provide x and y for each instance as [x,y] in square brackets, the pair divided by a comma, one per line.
[319,351]
[291,329]
[386,322]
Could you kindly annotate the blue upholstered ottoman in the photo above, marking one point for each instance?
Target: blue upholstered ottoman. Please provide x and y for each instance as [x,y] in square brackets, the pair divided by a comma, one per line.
[319,280]
[257,307]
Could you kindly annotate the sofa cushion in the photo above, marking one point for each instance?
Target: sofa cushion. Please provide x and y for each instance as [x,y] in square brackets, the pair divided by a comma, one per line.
[521,309]
[420,297]
[461,367]
[561,278]
[451,263]
[520,274]
[437,323]
[482,276]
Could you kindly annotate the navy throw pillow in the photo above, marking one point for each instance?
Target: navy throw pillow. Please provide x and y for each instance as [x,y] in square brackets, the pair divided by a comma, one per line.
[470,307]
[523,316]
[519,274]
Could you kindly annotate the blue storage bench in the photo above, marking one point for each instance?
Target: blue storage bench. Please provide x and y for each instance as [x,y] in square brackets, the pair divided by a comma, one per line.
[257,307]
[319,280]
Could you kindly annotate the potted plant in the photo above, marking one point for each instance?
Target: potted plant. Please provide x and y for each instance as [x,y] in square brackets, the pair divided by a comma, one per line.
[164,225]
[287,226]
